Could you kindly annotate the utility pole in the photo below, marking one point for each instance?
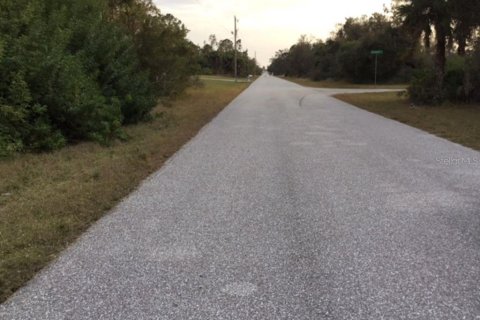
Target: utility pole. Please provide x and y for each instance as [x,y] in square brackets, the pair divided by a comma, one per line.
[235,34]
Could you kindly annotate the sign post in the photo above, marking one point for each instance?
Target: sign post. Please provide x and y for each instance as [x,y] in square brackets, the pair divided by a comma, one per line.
[376,53]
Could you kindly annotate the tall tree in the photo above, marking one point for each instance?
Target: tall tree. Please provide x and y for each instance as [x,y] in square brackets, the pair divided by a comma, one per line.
[422,14]
[160,42]
[217,57]
[79,69]
[466,19]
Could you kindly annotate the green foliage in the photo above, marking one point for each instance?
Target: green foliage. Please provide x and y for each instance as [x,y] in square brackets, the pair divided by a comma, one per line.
[79,70]
[218,58]
[440,66]
[454,23]
[160,42]
[454,79]
[461,83]
[472,75]
[422,87]
[346,55]
[326,62]
[462,80]
[280,64]
[112,60]
[40,134]
[10,137]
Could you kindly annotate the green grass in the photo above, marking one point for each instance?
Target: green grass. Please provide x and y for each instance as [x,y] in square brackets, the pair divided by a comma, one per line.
[48,200]
[456,122]
[342,84]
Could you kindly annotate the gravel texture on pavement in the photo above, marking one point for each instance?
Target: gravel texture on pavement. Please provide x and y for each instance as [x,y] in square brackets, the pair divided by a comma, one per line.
[289,205]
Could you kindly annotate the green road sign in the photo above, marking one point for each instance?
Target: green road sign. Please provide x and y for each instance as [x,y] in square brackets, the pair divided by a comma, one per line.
[376,53]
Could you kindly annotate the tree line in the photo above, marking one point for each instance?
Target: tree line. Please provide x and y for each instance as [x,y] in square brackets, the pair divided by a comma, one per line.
[81,69]
[432,44]
[217,57]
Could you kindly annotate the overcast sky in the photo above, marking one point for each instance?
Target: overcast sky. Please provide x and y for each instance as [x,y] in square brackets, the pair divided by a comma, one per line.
[266,25]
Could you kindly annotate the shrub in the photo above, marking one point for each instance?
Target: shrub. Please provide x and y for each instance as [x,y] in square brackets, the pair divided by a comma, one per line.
[454,86]
[110,56]
[74,102]
[11,119]
[80,69]
[422,87]
[472,75]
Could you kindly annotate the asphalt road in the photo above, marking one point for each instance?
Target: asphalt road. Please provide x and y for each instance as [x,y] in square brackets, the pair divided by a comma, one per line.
[289,205]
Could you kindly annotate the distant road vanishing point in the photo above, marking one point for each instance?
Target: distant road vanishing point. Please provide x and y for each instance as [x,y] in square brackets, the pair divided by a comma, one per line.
[289,205]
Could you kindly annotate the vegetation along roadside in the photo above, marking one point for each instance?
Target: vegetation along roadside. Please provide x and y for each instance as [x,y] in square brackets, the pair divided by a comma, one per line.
[48,200]
[342,84]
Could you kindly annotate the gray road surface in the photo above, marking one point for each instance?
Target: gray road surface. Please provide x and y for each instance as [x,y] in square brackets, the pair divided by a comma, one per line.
[289,205]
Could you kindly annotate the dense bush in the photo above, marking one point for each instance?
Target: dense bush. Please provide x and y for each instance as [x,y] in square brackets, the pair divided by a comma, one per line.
[422,87]
[461,82]
[75,70]
[454,88]
[347,54]
[452,25]
[472,75]
[111,57]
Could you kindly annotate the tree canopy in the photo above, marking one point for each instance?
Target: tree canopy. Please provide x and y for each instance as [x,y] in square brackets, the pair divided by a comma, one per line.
[347,54]
[433,44]
[453,23]
[79,69]
[217,57]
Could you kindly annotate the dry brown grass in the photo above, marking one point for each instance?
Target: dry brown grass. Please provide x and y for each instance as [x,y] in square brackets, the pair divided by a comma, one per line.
[48,200]
[455,122]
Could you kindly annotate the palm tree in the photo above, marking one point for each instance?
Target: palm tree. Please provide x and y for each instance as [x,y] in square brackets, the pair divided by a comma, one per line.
[455,20]
[466,20]
[420,16]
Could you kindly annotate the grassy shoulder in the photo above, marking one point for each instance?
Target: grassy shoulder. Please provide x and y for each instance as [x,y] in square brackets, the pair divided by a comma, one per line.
[457,123]
[342,84]
[48,200]
[224,78]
